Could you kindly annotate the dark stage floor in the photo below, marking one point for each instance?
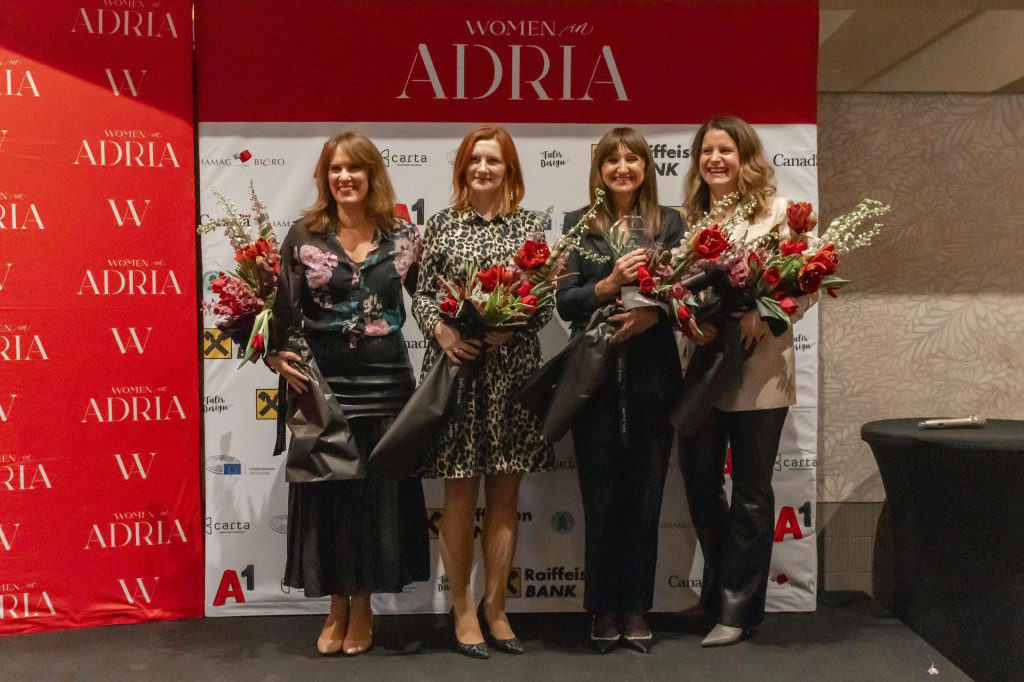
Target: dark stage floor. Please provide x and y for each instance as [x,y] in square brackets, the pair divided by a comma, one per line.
[834,644]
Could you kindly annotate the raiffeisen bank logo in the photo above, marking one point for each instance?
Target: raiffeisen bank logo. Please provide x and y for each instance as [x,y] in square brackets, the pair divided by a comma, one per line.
[668,159]
[551,581]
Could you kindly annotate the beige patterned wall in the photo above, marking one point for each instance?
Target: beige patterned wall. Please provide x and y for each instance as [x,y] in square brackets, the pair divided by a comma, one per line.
[933,323]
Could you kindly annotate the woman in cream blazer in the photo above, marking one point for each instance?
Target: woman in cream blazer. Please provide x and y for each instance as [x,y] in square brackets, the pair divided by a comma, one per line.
[736,538]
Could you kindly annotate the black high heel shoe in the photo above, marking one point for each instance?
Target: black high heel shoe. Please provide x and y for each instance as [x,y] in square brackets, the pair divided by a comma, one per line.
[513,645]
[604,632]
[478,650]
[636,633]
[510,646]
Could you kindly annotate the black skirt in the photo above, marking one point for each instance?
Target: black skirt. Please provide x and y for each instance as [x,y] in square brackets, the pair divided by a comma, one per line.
[365,534]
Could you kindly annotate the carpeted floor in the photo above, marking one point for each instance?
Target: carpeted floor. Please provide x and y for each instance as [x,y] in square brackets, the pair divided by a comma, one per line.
[854,642]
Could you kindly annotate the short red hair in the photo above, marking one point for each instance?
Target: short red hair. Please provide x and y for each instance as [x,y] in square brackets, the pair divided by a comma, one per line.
[512,184]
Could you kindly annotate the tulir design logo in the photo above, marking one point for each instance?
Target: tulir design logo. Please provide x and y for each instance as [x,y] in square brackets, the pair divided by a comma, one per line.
[552,158]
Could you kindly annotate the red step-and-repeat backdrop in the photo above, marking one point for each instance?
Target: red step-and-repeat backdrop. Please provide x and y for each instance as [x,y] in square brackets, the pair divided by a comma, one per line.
[101,516]
[100,508]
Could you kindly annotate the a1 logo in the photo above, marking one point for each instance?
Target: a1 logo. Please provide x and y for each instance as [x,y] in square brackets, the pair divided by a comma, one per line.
[231,587]
[787,523]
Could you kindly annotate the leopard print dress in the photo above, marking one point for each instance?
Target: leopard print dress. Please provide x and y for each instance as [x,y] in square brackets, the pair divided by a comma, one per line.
[494,435]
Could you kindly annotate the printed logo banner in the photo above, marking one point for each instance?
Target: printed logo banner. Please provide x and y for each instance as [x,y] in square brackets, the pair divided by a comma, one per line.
[100,507]
[438,69]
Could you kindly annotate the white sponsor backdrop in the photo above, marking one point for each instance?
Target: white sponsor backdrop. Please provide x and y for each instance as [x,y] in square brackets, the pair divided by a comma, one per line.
[246,496]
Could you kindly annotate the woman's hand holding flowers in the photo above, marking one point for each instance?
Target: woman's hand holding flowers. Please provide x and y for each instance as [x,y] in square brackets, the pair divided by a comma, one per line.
[624,272]
[457,349]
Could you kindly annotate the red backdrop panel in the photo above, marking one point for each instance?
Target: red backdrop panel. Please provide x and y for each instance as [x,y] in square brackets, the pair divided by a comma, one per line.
[100,515]
[586,61]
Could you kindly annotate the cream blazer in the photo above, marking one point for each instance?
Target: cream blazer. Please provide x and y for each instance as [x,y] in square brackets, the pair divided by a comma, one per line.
[769,374]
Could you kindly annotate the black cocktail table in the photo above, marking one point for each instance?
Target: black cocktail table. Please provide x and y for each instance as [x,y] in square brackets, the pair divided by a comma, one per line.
[957,503]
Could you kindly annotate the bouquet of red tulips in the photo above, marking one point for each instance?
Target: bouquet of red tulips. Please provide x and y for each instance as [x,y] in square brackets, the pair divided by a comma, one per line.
[671,275]
[773,271]
[504,297]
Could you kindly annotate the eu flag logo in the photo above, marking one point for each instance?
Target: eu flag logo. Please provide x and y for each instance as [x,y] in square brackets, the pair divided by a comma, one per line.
[232,468]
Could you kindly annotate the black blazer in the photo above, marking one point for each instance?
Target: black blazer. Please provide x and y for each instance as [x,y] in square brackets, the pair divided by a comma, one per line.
[652,359]
[575,298]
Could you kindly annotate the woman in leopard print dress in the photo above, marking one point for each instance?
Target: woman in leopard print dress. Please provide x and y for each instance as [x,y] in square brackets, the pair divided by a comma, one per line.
[495,439]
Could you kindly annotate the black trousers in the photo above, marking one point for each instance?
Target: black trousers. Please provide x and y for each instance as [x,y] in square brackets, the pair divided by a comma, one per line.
[621,483]
[736,538]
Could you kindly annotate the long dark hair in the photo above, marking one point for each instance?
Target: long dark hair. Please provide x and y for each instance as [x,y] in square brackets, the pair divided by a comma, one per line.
[646,200]
[322,216]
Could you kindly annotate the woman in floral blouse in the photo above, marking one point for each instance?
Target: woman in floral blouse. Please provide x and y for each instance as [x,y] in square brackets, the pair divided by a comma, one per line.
[343,265]
[495,439]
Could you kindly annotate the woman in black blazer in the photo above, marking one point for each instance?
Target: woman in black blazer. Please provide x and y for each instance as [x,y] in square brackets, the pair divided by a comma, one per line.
[622,463]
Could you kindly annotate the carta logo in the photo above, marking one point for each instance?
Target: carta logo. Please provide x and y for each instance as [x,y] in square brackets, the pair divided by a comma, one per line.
[233,527]
[402,159]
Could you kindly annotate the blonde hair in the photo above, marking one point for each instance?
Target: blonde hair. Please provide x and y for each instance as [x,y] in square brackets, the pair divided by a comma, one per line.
[513,187]
[646,199]
[322,216]
[756,177]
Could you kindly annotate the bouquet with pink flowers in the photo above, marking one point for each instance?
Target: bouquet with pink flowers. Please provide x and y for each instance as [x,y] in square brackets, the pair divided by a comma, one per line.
[246,295]
[674,276]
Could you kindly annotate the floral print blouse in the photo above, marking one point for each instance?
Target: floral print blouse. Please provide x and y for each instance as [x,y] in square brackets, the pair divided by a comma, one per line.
[336,295]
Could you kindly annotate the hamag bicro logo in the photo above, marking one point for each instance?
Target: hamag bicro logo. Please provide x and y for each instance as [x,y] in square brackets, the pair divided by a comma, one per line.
[224,465]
